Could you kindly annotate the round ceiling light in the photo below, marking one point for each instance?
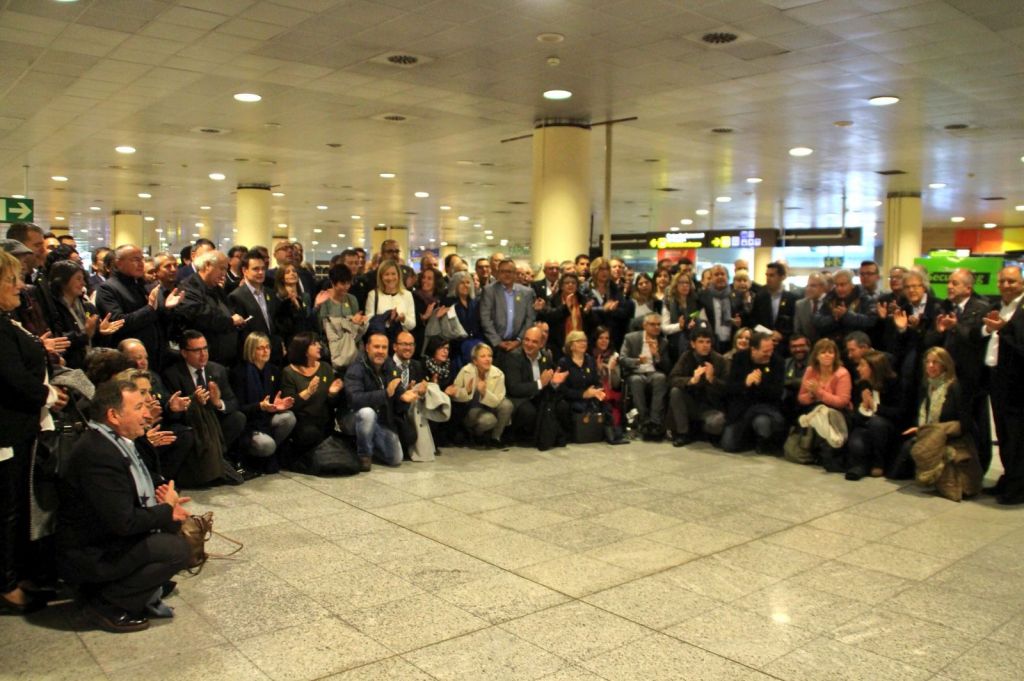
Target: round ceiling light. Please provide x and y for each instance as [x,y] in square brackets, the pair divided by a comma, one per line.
[125,149]
[754,180]
[686,221]
[723,199]
[550,37]
[356,217]
[204,208]
[421,195]
[557,94]
[801,151]
[95,208]
[937,185]
[1019,208]
[277,194]
[445,207]
[217,176]
[989,225]
[463,218]
[58,178]
[248,97]
[883,100]
[145,195]
[957,218]
[387,176]
[702,211]
[150,218]
[321,207]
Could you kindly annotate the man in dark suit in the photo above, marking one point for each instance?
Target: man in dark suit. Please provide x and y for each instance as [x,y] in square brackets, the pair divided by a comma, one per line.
[98,271]
[257,306]
[412,376]
[506,312]
[188,264]
[123,296]
[530,378]
[117,531]
[646,364]
[958,329]
[548,286]
[205,307]
[845,309]
[1004,356]
[906,328]
[774,307]
[208,385]
[754,395]
[236,257]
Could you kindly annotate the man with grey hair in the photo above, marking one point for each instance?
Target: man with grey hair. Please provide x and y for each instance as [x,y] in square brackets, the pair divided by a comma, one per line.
[845,309]
[123,296]
[646,362]
[808,306]
[206,309]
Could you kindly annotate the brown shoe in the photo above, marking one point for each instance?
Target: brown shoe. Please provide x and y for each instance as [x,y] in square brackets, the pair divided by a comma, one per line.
[365,464]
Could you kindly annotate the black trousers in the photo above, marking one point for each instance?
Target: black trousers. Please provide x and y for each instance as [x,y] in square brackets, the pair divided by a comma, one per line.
[524,419]
[1009,422]
[130,579]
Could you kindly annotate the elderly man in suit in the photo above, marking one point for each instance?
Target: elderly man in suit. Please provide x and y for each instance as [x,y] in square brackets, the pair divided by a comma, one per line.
[506,312]
[257,306]
[117,531]
[205,307]
[646,363]
[548,286]
[807,307]
[717,310]
[530,377]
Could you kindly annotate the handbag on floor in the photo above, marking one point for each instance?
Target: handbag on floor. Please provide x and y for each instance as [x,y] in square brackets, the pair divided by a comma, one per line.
[197,530]
[588,427]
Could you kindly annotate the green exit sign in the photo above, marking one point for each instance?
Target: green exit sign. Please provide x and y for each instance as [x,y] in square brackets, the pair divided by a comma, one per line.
[16,210]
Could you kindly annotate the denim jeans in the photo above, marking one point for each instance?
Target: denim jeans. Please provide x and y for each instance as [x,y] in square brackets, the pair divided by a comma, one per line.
[371,437]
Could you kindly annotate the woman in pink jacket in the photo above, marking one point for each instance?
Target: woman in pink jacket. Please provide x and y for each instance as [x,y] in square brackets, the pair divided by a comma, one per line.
[826,382]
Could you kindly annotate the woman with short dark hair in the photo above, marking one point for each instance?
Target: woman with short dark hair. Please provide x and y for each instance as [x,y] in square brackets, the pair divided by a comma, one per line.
[316,391]
[70,314]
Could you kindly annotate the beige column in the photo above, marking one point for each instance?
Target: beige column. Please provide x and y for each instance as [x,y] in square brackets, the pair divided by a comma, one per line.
[252,215]
[561,191]
[901,236]
[762,257]
[126,228]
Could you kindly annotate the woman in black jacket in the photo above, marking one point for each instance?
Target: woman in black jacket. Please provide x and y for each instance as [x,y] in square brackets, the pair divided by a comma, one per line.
[25,395]
[70,314]
[582,387]
[878,412]
[567,310]
[268,416]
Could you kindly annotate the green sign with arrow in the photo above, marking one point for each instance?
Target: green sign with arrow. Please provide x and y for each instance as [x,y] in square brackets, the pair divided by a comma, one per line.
[16,210]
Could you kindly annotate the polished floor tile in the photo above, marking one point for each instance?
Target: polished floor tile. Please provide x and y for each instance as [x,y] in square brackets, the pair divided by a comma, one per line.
[579,564]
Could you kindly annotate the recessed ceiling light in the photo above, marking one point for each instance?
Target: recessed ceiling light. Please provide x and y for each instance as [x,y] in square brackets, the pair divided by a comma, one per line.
[801,151]
[875,204]
[277,194]
[444,243]
[489,236]
[557,94]
[58,178]
[431,240]
[150,218]
[723,199]
[204,208]
[989,225]
[95,208]
[17,196]
[463,218]
[356,217]
[421,195]
[381,224]
[387,176]
[199,224]
[446,207]
[957,218]
[673,228]
[318,231]
[59,217]
[550,37]
[248,97]
[144,195]
[125,149]
[486,231]
[1018,208]
[883,100]
[341,236]
[478,224]
[217,176]
[754,180]
[321,207]
[282,225]
[334,245]
[503,242]
[702,211]
[315,243]
[686,221]
[937,185]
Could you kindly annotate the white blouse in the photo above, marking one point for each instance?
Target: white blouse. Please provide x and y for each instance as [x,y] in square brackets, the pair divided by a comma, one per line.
[377,303]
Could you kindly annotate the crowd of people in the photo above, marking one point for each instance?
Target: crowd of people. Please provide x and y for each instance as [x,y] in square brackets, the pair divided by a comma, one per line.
[153,373]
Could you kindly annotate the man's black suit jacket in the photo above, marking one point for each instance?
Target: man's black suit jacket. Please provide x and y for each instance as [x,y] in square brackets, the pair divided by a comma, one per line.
[178,377]
[761,312]
[964,343]
[520,385]
[100,514]
[206,309]
[123,297]
[244,303]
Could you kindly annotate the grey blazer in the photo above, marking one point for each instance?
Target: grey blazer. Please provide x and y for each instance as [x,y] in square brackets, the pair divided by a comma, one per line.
[494,313]
[803,320]
[632,345]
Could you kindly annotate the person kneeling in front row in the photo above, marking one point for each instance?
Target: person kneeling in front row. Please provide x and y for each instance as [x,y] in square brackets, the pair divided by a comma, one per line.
[117,534]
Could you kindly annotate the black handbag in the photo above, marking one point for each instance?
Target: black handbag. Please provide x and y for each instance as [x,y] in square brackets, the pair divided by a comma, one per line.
[588,427]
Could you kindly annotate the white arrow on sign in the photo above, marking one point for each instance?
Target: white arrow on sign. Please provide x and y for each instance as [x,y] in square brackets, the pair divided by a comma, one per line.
[22,210]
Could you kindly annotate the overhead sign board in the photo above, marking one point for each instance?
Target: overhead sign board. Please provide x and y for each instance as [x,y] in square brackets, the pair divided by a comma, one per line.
[739,238]
[16,210]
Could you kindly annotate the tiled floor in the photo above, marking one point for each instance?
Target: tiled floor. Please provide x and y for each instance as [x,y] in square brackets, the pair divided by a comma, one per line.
[639,562]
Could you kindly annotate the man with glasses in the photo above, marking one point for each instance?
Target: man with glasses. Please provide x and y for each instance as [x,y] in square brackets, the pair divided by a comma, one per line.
[1004,357]
[506,312]
[207,384]
[548,286]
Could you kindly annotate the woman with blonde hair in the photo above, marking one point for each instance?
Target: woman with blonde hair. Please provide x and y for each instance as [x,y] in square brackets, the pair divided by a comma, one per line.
[257,385]
[611,307]
[390,306]
[481,386]
[583,387]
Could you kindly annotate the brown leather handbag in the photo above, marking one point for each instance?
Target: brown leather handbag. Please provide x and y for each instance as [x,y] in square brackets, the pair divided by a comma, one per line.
[197,530]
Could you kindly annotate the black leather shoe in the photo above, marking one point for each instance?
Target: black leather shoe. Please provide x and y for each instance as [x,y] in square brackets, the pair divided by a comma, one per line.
[248,473]
[115,620]
[681,440]
[855,473]
[1010,499]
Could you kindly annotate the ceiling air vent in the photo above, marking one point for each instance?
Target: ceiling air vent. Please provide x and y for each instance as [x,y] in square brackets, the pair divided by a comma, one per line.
[392,117]
[516,203]
[957,126]
[668,189]
[209,130]
[401,60]
[722,131]
[719,37]
[993,198]
[891,172]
